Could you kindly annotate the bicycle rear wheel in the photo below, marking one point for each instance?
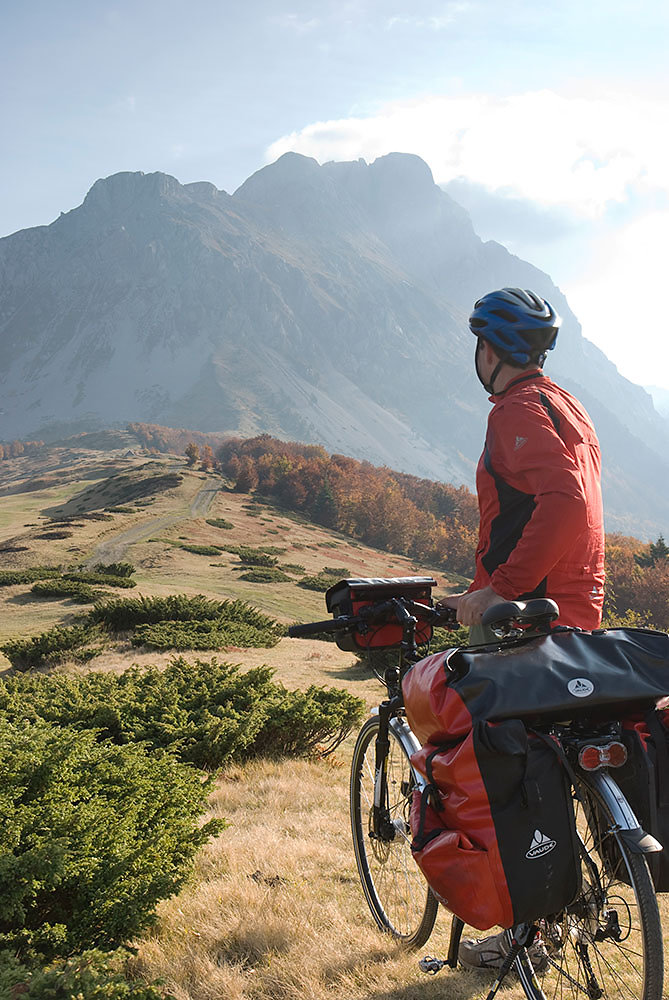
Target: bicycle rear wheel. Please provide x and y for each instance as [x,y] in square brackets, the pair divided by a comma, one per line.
[397,894]
[608,943]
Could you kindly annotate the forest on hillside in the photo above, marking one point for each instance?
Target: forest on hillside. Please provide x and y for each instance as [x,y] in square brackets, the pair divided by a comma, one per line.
[433,523]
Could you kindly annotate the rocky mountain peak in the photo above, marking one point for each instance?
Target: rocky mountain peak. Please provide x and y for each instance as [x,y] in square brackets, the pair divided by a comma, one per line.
[114,194]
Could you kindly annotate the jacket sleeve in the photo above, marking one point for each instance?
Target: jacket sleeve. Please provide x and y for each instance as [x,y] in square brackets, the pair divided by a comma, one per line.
[529,454]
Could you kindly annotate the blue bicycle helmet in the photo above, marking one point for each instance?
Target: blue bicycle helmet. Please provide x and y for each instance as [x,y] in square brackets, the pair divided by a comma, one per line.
[521,326]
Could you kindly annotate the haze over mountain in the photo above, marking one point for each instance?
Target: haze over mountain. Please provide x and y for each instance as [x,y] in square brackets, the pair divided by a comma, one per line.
[320,303]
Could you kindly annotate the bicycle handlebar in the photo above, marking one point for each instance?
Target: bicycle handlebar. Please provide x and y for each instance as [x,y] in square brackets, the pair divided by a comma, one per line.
[399,609]
[314,628]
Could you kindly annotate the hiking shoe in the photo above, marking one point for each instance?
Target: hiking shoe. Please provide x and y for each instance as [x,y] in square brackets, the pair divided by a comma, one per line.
[490,952]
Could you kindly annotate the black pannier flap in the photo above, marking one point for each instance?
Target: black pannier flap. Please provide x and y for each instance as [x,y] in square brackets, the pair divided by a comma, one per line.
[348,597]
[562,676]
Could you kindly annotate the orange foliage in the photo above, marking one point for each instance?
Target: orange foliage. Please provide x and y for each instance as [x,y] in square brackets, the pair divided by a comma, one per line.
[12,449]
[631,587]
[431,522]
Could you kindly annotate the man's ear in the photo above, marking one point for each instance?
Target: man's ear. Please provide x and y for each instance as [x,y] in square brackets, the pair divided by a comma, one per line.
[490,354]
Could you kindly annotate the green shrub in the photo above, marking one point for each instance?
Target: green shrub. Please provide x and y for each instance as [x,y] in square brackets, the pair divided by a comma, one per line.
[114,569]
[92,975]
[202,550]
[254,557]
[219,522]
[293,568]
[103,578]
[205,635]
[208,713]
[11,577]
[92,836]
[327,577]
[55,534]
[181,622]
[295,721]
[249,555]
[269,575]
[48,647]
[318,582]
[120,510]
[124,613]
[77,591]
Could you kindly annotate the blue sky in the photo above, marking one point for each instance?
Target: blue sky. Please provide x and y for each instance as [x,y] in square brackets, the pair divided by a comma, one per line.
[548,122]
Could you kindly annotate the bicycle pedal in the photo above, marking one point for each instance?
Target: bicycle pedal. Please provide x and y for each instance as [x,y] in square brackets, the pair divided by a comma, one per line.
[431,965]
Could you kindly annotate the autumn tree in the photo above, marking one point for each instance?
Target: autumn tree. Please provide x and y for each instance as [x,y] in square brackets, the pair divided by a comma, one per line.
[247,479]
[192,453]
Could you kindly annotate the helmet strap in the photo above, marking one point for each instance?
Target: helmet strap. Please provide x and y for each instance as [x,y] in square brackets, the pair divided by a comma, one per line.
[488,386]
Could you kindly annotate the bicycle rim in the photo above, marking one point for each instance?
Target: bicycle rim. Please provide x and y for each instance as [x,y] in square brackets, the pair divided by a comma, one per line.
[608,943]
[397,894]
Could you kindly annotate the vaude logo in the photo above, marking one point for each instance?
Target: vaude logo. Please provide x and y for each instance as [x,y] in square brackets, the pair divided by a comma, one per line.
[541,844]
[580,687]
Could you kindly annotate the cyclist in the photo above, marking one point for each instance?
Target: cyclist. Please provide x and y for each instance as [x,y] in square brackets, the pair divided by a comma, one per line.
[541,531]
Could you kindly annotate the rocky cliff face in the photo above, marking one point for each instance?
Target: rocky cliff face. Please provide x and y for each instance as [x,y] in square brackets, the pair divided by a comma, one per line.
[318,303]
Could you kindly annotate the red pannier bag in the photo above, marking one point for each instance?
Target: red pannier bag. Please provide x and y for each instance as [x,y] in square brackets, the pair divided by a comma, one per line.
[349,597]
[644,781]
[493,830]
[608,674]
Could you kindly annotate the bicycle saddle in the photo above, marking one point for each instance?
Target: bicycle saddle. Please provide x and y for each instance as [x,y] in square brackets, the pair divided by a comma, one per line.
[509,617]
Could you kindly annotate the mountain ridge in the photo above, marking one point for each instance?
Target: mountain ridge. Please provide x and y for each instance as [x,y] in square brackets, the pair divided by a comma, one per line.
[319,303]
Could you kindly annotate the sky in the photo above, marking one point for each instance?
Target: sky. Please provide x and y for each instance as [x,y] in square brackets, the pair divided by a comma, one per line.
[548,122]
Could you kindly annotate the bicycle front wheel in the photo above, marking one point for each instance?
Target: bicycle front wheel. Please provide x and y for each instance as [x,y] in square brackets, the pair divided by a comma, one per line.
[608,942]
[395,889]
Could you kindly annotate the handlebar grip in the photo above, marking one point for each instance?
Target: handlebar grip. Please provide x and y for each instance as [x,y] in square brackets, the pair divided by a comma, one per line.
[314,628]
[446,618]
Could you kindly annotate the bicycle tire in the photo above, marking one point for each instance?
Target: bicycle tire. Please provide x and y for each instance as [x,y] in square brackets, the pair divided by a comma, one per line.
[396,891]
[580,966]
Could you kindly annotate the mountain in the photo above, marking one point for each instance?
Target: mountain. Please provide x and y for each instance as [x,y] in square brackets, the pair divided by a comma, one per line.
[319,303]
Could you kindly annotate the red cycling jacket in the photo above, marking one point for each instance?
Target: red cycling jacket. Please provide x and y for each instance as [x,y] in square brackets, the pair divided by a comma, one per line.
[541,528]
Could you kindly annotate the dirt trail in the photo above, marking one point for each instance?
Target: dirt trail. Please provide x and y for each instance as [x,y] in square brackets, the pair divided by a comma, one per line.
[114,549]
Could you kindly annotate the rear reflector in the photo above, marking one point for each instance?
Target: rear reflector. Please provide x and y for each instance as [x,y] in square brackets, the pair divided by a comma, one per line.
[592,758]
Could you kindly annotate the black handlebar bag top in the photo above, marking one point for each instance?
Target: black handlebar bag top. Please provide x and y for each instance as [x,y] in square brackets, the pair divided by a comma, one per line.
[565,675]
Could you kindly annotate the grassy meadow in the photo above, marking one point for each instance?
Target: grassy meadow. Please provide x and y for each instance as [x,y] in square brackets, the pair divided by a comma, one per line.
[274,910]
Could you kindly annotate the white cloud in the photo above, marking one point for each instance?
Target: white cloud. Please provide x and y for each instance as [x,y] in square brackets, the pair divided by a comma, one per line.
[581,152]
[600,158]
[437,22]
[294,22]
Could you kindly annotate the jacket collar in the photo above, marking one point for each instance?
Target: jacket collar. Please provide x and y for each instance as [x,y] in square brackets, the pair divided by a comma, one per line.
[518,380]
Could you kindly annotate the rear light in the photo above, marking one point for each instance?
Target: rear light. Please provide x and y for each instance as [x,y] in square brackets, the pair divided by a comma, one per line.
[592,758]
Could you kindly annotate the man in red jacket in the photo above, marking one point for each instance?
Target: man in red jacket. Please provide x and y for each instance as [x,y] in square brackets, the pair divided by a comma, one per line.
[541,531]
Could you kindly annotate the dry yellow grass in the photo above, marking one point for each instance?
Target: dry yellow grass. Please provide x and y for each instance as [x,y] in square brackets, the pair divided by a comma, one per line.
[276,910]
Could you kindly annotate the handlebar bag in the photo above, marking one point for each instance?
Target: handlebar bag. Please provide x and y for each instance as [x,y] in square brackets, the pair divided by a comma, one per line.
[493,830]
[350,597]
[608,674]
